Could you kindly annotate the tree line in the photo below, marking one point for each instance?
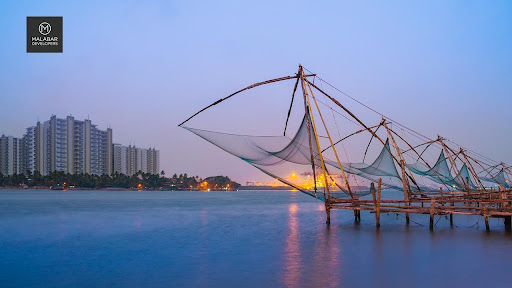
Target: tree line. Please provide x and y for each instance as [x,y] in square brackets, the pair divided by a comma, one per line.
[139,180]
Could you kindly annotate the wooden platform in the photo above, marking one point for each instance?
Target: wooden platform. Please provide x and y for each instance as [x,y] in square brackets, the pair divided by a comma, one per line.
[487,204]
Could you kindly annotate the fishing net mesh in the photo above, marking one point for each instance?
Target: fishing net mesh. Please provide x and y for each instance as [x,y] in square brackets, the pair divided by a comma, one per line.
[278,156]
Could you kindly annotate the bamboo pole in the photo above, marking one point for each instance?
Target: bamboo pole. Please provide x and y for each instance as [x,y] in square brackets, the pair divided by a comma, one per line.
[452,162]
[471,169]
[244,89]
[405,181]
[330,141]
[308,124]
[326,200]
[377,213]
[374,196]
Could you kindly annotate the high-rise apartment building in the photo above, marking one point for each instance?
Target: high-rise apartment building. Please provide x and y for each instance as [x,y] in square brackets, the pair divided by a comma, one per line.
[153,161]
[11,155]
[29,149]
[75,147]
[67,145]
[129,160]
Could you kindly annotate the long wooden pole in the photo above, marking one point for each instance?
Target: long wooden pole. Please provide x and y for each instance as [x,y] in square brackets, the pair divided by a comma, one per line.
[350,135]
[379,189]
[405,180]
[471,169]
[244,89]
[308,124]
[354,117]
[330,140]
[291,105]
[454,165]
[419,157]
[326,201]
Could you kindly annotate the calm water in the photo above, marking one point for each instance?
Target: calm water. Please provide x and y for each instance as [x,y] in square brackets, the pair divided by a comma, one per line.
[234,239]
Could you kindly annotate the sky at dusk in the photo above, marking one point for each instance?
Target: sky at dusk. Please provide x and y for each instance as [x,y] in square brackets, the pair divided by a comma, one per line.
[142,67]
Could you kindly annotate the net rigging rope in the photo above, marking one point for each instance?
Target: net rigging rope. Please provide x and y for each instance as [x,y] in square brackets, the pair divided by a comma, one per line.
[418,134]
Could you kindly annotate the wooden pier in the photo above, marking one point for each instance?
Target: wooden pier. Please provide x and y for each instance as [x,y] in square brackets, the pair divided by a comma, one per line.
[486,204]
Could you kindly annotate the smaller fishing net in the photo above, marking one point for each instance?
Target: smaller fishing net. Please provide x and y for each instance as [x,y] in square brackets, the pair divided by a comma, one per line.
[499,178]
[439,173]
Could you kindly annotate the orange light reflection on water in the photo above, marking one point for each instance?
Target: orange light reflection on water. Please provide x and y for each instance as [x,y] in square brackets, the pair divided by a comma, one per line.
[292,256]
[326,249]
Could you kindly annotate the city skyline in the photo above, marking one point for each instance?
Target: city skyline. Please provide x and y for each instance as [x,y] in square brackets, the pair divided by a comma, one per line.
[441,61]
[72,146]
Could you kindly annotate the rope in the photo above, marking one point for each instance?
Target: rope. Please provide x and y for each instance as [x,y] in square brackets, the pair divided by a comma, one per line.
[417,134]
[410,220]
[440,216]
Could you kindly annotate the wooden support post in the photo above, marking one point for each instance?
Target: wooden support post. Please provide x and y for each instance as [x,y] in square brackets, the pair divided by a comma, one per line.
[357,212]
[432,205]
[507,220]
[377,213]
[451,214]
[328,212]
[486,217]
[405,181]
[374,196]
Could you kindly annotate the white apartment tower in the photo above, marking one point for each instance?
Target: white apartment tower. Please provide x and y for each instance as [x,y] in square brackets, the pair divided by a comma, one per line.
[29,148]
[129,160]
[68,145]
[75,147]
[11,155]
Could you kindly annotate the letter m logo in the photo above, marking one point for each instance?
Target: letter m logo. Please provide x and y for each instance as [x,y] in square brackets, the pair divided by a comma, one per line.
[45,28]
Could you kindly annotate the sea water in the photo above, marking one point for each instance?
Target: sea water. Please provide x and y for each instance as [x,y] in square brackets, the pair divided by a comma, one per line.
[235,239]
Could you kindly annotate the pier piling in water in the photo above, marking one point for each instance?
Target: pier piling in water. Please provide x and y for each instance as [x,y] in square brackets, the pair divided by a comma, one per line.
[328,212]
[432,205]
[490,204]
[508,223]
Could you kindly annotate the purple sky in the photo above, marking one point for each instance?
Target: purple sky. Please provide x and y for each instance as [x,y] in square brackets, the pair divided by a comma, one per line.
[142,67]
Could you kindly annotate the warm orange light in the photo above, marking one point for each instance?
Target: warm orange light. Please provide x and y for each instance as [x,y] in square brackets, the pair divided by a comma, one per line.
[294,175]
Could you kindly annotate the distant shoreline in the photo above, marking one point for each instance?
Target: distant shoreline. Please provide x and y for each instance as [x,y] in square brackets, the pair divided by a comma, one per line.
[243,188]
[266,188]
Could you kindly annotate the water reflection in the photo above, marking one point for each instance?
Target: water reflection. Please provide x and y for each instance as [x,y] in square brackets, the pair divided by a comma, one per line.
[203,254]
[292,256]
[137,222]
[315,261]
[326,254]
